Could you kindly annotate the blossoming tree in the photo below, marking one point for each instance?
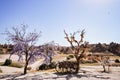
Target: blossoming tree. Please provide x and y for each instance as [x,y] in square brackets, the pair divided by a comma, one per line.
[24,45]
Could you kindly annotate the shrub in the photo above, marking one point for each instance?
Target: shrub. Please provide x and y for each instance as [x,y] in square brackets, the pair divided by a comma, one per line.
[94,61]
[7,62]
[117,61]
[69,57]
[52,65]
[43,67]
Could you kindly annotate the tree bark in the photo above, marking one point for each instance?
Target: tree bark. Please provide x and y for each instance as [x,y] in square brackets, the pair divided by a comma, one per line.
[26,62]
[50,59]
[78,64]
[104,68]
[25,68]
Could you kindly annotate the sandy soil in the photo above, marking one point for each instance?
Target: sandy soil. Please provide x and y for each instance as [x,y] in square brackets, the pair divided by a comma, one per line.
[91,73]
[86,73]
[3,57]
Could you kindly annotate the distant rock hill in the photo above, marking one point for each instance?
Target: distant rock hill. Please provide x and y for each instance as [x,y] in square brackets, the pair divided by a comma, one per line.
[112,47]
[100,47]
[5,48]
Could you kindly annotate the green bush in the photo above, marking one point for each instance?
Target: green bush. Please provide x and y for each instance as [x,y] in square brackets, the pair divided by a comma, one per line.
[52,65]
[7,62]
[69,57]
[45,66]
[117,61]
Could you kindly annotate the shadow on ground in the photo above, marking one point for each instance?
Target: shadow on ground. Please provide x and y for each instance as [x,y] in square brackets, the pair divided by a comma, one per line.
[56,76]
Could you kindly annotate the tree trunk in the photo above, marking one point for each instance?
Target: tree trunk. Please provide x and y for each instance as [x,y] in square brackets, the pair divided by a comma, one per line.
[26,62]
[108,68]
[104,68]
[50,59]
[25,68]
[78,63]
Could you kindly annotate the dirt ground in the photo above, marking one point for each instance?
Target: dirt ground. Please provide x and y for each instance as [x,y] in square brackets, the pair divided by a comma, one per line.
[85,73]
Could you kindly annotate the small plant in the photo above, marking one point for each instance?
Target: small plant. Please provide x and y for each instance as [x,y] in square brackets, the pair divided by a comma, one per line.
[7,62]
[117,61]
[52,65]
[69,57]
[94,61]
[43,67]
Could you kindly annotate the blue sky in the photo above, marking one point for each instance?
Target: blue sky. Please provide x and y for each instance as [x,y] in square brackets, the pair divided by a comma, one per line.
[99,18]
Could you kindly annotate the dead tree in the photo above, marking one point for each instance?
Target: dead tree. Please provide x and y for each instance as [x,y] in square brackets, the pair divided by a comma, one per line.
[104,61]
[78,47]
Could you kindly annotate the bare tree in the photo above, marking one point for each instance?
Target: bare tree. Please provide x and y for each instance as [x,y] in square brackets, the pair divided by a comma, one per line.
[104,61]
[24,44]
[78,46]
[49,51]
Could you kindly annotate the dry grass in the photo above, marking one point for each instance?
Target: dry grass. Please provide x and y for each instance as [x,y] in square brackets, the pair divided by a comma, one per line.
[49,70]
[0,71]
[116,64]
[59,57]
[90,64]
[114,57]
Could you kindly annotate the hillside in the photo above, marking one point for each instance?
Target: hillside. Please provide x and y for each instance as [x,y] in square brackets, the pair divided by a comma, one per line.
[101,48]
